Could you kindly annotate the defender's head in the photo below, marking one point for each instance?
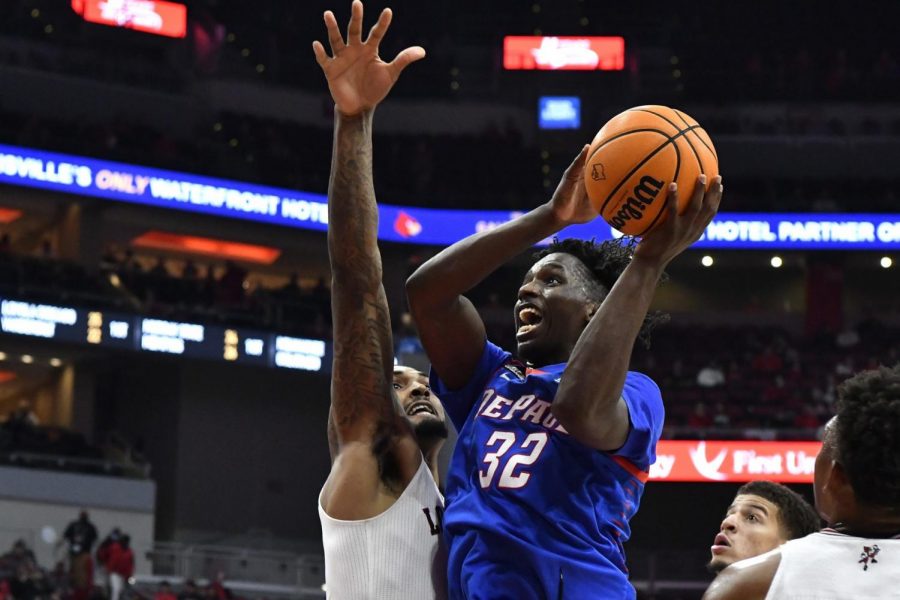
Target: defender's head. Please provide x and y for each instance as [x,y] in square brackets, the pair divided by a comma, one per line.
[857,473]
[763,516]
[422,408]
[560,294]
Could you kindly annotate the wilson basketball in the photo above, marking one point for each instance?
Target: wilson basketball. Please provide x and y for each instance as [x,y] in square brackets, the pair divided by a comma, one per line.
[635,157]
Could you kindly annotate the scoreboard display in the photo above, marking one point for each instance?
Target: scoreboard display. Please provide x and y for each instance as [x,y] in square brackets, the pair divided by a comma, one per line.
[137,333]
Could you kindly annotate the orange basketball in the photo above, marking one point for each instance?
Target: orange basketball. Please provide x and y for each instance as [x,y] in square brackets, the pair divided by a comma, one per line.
[635,157]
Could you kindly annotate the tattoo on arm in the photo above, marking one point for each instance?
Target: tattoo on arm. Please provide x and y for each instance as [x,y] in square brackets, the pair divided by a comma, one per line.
[361,398]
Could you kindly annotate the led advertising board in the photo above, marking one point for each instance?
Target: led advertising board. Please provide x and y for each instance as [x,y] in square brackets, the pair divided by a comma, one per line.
[156,17]
[108,329]
[408,224]
[734,461]
[559,112]
[555,53]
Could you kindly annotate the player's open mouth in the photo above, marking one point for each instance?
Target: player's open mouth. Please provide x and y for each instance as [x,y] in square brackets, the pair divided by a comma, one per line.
[418,408]
[528,318]
[720,544]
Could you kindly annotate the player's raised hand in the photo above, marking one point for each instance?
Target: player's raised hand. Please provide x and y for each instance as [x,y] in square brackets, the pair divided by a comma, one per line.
[357,77]
[570,201]
[679,232]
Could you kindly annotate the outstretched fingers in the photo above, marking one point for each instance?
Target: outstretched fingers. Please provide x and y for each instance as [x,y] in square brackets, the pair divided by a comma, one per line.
[319,51]
[334,33]
[406,58]
[380,28]
[354,29]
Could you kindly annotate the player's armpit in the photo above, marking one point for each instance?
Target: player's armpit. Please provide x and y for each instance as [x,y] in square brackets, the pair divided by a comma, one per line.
[745,580]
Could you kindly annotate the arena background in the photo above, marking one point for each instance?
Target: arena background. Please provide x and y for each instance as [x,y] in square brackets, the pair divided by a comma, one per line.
[164,344]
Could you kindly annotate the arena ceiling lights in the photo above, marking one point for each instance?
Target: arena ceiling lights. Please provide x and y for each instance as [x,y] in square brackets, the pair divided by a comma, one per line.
[224,249]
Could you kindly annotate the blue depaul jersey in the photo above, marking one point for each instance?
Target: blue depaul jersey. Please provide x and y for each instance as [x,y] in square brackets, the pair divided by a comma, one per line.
[531,513]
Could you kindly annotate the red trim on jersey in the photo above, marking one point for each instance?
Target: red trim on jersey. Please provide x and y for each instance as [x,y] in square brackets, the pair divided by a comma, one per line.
[629,466]
[530,371]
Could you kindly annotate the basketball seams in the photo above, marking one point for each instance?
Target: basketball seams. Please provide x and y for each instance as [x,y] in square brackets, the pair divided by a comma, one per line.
[688,126]
[671,140]
[702,141]
[629,132]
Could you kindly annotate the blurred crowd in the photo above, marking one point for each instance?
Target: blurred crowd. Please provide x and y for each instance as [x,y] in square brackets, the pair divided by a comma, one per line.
[25,442]
[83,575]
[179,290]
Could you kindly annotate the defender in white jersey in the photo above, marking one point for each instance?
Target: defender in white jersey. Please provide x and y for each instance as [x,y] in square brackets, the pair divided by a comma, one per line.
[857,487]
[380,508]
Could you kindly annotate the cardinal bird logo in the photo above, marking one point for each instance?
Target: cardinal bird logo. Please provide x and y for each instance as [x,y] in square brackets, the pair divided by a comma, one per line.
[708,468]
[407,226]
[867,556]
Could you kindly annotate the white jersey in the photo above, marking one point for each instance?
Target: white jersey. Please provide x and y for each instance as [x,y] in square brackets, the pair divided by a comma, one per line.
[832,566]
[397,555]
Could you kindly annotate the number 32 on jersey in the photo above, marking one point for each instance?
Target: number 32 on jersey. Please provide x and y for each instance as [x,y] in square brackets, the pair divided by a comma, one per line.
[498,445]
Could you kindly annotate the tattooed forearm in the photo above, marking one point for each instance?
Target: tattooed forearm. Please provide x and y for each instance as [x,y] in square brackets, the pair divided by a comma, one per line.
[363,349]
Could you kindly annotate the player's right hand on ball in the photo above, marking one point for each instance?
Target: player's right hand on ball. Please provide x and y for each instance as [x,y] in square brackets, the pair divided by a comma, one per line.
[357,77]
[570,202]
[679,231]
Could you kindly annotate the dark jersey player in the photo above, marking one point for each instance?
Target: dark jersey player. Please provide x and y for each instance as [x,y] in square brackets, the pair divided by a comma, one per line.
[554,447]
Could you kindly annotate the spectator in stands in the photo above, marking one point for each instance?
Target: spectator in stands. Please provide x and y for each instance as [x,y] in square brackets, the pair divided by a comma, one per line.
[23,416]
[190,591]
[46,250]
[721,418]
[189,272]
[847,338]
[80,536]
[159,269]
[711,375]
[17,556]
[164,592]
[844,368]
[217,589]
[763,516]
[231,285]
[700,419]
[103,555]
[120,566]
[768,361]
[808,418]
[292,288]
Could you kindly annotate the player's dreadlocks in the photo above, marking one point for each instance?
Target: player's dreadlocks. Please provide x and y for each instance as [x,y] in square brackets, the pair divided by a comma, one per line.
[868,435]
[606,261]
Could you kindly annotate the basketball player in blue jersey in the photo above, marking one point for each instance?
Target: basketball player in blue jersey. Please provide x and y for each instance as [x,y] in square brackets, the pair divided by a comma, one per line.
[554,444]
[380,507]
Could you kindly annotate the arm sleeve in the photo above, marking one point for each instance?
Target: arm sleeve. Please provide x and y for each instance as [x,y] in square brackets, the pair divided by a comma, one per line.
[458,403]
[646,413]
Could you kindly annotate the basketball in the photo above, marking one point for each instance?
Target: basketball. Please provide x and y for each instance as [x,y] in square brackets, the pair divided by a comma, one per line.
[634,158]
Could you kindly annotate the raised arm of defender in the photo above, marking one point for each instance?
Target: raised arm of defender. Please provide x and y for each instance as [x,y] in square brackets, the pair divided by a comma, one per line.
[363,413]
